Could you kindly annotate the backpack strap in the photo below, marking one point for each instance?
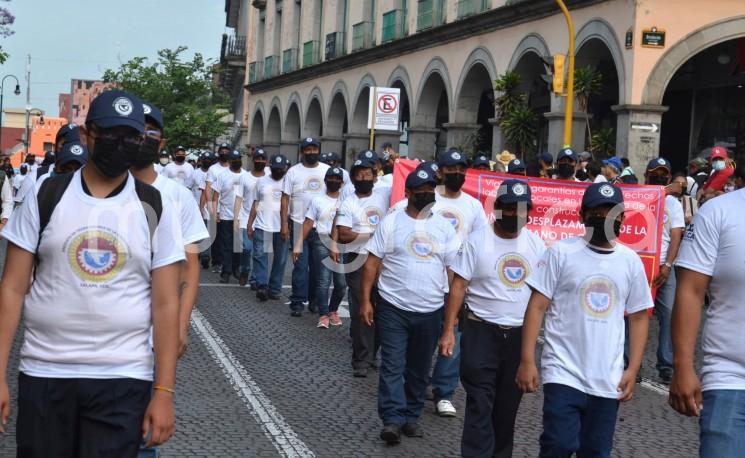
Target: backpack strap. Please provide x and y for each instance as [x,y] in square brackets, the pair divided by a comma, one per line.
[49,195]
[152,204]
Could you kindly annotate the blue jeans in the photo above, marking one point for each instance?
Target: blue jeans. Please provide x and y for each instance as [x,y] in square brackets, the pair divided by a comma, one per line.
[407,341]
[446,374]
[264,243]
[324,278]
[575,422]
[303,276]
[246,253]
[722,424]
[663,309]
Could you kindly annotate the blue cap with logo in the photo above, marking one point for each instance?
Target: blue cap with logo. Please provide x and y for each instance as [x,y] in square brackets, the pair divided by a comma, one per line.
[658,163]
[72,152]
[260,153]
[233,155]
[480,160]
[279,161]
[68,132]
[117,108]
[598,194]
[567,153]
[547,158]
[153,114]
[309,141]
[420,177]
[179,148]
[515,165]
[451,158]
[334,172]
[363,163]
[223,146]
[429,165]
[368,154]
[514,191]
[324,158]
[614,162]
[333,157]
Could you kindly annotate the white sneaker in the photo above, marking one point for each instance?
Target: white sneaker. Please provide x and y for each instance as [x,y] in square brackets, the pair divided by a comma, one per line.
[445,408]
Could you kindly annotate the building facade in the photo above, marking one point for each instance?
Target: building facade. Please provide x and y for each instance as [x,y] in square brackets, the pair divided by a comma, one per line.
[672,73]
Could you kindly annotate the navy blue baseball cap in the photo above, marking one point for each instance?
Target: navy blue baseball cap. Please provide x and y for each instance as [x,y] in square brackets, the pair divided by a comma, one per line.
[430,166]
[658,163]
[547,158]
[233,155]
[515,165]
[514,191]
[309,141]
[223,146]
[70,133]
[117,108]
[153,114]
[420,177]
[259,152]
[363,163]
[324,158]
[179,148]
[368,154]
[279,161]
[334,172]
[452,157]
[567,153]
[333,157]
[481,160]
[598,194]
[72,152]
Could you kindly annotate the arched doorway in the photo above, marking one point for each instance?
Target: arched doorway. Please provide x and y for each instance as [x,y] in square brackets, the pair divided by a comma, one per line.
[313,120]
[432,112]
[475,106]
[531,68]
[337,127]
[291,132]
[273,131]
[256,136]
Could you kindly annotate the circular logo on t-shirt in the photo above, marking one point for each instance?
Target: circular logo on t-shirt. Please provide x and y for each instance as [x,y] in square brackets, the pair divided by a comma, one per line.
[420,245]
[513,270]
[96,256]
[598,295]
[372,216]
[313,184]
[455,218]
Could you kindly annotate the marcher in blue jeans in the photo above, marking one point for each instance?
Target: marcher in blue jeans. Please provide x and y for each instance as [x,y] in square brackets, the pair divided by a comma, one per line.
[445,378]
[324,278]
[722,424]
[264,243]
[231,259]
[663,309]
[303,278]
[245,263]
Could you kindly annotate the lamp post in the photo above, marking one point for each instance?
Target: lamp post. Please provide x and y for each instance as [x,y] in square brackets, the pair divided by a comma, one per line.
[16,92]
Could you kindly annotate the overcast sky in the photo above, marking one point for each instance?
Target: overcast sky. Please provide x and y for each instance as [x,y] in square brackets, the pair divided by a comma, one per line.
[82,38]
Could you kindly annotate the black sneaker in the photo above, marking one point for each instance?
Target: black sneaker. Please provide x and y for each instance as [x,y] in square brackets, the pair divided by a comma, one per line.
[205,263]
[224,278]
[243,279]
[391,434]
[360,372]
[296,313]
[261,295]
[666,375]
[312,307]
[253,286]
[274,297]
[216,268]
[412,430]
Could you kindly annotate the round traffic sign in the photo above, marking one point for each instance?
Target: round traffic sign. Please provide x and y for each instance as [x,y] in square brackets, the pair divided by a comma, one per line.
[387,104]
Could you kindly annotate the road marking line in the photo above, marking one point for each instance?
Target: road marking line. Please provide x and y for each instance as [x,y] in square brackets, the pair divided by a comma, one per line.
[259,406]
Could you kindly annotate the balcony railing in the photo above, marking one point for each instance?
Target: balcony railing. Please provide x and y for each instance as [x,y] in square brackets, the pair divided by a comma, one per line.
[311,53]
[429,14]
[391,30]
[362,36]
[233,47]
[289,60]
[336,45]
[252,76]
[271,67]
[470,7]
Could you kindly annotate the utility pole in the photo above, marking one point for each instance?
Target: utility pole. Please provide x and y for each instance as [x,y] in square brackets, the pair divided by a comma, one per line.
[569,113]
[26,140]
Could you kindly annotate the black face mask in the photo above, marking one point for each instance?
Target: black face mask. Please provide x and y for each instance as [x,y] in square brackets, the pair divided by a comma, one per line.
[657,180]
[363,186]
[581,175]
[222,157]
[311,159]
[565,171]
[333,186]
[597,225]
[388,169]
[236,166]
[510,224]
[453,181]
[205,166]
[259,165]
[278,174]
[179,159]
[147,154]
[420,200]
[113,157]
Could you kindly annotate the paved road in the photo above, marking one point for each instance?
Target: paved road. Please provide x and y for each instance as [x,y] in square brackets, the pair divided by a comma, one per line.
[256,382]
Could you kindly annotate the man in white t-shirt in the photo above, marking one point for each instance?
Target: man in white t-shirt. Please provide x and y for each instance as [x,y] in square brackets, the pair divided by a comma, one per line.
[105,282]
[583,286]
[225,192]
[163,160]
[711,259]
[213,172]
[489,274]
[243,203]
[199,182]
[658,173]
[408,258]
[21,184]
[357,219]
[264,227]
[179,170]
[302,183]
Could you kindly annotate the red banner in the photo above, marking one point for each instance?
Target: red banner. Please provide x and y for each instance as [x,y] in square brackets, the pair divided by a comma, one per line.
[556,206]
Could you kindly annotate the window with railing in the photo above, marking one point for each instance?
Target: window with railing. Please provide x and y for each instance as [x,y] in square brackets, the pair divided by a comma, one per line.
[391,30]
[362,36]
[252,73]
[470,7]
[269,67]
[336,45]
[289,60]
[311,53]
[429,14]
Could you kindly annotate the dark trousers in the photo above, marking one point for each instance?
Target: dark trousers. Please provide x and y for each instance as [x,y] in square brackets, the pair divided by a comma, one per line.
[216,249]
[490,356]
[575,422]
[365,341]
[231,256]
[80,417]
[407,341]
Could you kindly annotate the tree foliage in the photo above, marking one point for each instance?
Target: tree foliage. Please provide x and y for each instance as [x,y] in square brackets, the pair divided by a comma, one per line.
[6,20]
[518,121]
[192,106]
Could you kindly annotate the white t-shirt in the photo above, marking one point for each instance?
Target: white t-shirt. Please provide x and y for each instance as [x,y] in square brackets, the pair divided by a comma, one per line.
[228,185]
[496,270]
[321,211]
[159,168]
[584,327]
[712,245]
[414,254]
[362,214]
[18,180]
[302,184]
[192,225]
[674,218]
[179,173]
[87,313]
[199,179]
[600,179]
[214,171]
[24,188]
[247,185]
[464,212]
[268,197]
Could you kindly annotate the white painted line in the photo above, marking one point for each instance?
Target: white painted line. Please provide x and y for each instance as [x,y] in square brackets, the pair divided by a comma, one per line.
[222,285]
[259,406]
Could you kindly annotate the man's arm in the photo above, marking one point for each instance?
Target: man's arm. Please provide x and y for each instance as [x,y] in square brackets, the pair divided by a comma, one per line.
[251,219]
[676,235]
[284,225]
[369,276]
[458,287]
[213,206]
[298,248]
[527,373]
[188,292]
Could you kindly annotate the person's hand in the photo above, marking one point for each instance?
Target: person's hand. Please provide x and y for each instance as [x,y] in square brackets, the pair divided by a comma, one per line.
[366,312]
[183,342]
[674,188]
[4,406]
[250,232]
[335,256]
[685,393]
[284,232]
[626,386]
[295,255]
[527,377]
[661,277]
[447,342]
[159,420]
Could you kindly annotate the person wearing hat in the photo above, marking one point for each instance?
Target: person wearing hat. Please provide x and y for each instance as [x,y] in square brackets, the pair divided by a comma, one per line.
[492,330]
[584,158]
[199,184]
[219,166]
[566,165]
[71,157]
[179,170]
[163,160]
[303,182]
[612,169]
[47,165]
[659,173]
[698,173]
[356,221]
[408,259]
[516,167]
[66,134]
[388,158]
[334,160]
[23,183]
[627,174]
[263,228]
[481,163]
[546,164]
[584,286]
[120,271]
[243,200]
[224,198]
[504,158]
[319,219]
[721,171]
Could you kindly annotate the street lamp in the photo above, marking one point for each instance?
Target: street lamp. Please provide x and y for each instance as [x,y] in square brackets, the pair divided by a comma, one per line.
[16,92]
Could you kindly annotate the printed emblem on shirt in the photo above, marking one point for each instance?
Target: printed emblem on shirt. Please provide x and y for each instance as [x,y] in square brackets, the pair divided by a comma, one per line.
[313,184]
[689,234]
[372,216]
[513,270]
[96,256]
[420,245]
[598,295]
[454,217]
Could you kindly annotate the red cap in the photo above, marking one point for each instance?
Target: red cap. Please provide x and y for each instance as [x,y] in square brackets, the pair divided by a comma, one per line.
[718,153]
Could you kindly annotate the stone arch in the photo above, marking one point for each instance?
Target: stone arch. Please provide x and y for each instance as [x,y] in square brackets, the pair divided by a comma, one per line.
[313,126]
[685,49]
[361,100]
[435,66]
[295,98]
[400,74]
[291,131]
[601,30]
[337,116]
[316,94]
[277,103]
[340,88]
[273,133]
[256,134]
[531,43]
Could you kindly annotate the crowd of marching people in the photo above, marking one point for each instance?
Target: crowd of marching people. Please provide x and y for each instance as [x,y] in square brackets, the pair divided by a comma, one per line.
[109,233]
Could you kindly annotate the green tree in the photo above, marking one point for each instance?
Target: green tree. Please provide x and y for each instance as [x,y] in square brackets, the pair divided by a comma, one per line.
[520,128]
[510,97]
[192,105]
[587,83]
[603,143]
[6,20]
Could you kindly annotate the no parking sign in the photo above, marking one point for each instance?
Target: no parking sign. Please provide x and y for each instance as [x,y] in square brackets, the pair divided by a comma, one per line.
[384,108]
